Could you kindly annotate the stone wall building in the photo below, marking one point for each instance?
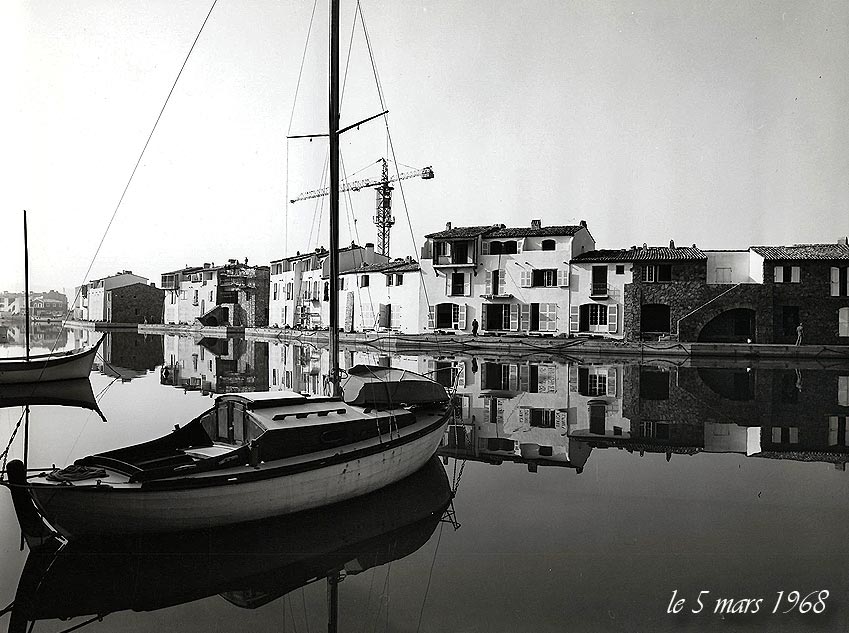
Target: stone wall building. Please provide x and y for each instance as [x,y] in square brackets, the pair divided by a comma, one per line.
[136,303]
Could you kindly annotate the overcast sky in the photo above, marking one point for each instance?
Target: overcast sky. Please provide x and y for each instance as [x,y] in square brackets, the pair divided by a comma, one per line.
[717,123]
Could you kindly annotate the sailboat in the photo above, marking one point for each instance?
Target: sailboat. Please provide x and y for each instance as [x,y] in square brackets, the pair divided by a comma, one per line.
[44,367]
[249,565]
[254,455]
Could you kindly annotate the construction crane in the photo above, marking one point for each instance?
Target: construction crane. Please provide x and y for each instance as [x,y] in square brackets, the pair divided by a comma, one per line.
[383,217]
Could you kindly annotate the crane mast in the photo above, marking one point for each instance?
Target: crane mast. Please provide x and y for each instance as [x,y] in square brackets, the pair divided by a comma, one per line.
[383,218]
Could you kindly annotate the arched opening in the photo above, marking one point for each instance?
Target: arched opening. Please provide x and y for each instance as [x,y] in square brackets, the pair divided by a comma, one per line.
[510,248]
[730,383]
[732,326]
[548,245]
[654,318]
[496,248]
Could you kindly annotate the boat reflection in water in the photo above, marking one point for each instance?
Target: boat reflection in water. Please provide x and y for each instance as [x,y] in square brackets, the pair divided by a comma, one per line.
[248,564]
[65,393]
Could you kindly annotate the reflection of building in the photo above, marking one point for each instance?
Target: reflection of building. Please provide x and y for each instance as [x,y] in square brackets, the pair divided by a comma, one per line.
[509,410]
[45,335]
[124,355]
[44,305]
[506,278]
[798,414]
[215,365]
[300,292]
[120,298]
[234,295]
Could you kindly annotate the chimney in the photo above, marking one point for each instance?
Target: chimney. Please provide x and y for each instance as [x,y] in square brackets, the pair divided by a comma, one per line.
[583,223]
[369,252]
[645,245]
[447,226]
[843,240]
[536,224]
[672,244]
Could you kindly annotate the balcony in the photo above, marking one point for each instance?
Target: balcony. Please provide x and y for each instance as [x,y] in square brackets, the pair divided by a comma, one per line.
[599,290]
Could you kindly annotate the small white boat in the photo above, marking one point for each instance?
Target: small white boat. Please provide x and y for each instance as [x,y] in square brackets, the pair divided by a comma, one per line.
[48,367]
[252,455]
[248,564]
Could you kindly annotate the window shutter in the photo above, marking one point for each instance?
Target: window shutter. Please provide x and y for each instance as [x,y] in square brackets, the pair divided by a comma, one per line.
[467,284]
[499,411]
[484,248]
[483,316]
[562,277]
[524,417]
[525,317]
[461,373]
[574,316]
[794,274]
[611,381]
[573,377]
[488,290]
[431,317]
[794,435]
[519,243]
[487,409]
[514,316]
[843,322]
[546,379]
[835,281]
[513,378]
[502,281]
[447,284]
[561,418]
[461,317]
[843,391]
[525,279]
[833,426]
[524,374]
[612,314]
[779,274]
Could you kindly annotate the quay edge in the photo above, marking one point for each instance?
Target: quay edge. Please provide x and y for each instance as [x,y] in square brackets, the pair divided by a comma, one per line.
[523,344]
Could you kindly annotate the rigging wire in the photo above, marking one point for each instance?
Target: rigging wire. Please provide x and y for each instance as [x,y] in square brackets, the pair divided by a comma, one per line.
[138,162]
[430,576]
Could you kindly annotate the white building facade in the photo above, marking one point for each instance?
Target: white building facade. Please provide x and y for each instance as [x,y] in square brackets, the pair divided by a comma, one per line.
[508,279]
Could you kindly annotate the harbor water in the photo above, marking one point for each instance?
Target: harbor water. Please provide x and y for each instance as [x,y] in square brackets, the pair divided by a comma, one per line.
[630,495]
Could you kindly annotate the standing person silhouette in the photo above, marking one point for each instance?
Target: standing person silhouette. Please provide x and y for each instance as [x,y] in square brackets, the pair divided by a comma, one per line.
[799,334]
[474,327]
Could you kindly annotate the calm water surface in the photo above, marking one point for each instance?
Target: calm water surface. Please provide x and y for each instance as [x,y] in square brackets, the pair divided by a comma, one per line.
[586,494]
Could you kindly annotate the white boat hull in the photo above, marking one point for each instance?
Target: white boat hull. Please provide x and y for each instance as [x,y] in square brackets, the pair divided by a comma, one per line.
[77,510]
[47,368]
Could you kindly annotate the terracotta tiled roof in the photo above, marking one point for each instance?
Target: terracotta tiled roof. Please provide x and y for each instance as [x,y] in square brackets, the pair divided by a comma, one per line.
[526,231]
[397,266]
[803,251]
[641,253]
[464,231]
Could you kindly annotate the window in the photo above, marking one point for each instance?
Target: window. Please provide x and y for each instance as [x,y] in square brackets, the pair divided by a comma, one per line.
[327,291]
[620,269]
[510,248]
[458,284]
[399,279]
[597,314]
[542,418]
[548,245]
[195,299]
[389,279]
[496,248]
[723,275]
[838,435]
[839,281]
[544,277]
[787,274]
[843,391]
[364,281]
[547,317]
[843,322]
[273,294]
[657,272]
[785,435]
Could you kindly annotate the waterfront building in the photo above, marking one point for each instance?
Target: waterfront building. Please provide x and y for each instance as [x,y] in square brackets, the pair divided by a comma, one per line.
[234,294]
[509,279]
[299,285]
[119,298]
[385,297]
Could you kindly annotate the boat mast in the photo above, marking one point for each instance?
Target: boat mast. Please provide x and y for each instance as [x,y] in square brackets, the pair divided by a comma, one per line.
[334,196]
[26,285]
